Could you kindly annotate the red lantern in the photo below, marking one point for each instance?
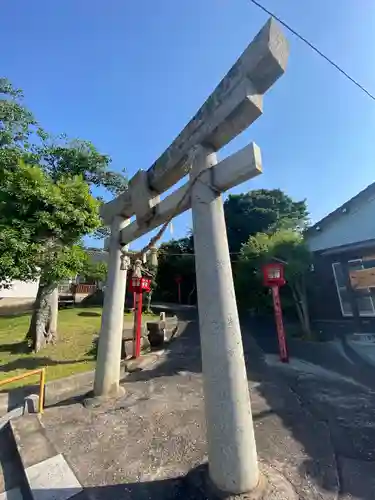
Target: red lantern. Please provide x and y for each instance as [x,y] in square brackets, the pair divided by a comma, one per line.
[273,274]
[140,285]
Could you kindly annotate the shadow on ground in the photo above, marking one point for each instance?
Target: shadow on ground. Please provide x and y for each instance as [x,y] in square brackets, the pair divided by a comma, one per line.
[32,363]
[89,314]
[11,472]
[187,487]
[15,348]
[316,434]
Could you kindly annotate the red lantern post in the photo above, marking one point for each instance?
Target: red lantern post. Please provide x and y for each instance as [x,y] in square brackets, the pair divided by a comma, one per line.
[138,286]
[273,277]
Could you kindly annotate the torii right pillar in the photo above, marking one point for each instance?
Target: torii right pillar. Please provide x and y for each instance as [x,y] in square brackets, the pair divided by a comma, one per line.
[232,453]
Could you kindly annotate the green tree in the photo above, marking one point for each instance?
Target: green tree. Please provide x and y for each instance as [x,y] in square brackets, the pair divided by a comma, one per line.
[43,222]
[176,258]
[94,272]
[289,247]
[17,123]
[47,206]
[261,211]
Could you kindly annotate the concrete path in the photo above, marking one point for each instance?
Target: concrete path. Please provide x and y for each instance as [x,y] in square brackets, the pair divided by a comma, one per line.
[348,409]
[335,355]
[314,427]
[336,388]
[142,445]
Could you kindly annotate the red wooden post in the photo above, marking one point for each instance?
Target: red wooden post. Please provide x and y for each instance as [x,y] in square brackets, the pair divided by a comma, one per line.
[135,312]
[138,286]
[137,350]
[279,324]
[273,277]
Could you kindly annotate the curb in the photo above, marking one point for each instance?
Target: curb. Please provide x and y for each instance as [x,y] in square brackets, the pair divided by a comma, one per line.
[56,390]
[76,385]
[30,405]
[364,368]
[48,475]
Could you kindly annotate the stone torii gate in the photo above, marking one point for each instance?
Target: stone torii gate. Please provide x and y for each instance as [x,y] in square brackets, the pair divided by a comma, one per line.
[231,108]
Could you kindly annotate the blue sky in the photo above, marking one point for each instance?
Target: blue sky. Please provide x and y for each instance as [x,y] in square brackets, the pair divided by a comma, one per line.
[129,75]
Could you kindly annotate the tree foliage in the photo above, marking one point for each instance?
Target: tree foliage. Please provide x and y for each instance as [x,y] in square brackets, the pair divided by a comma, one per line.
[261,211]
[176,258]
[61,157]
[246,215]
[46,204]
[94,272]
[287,246]
[16,122]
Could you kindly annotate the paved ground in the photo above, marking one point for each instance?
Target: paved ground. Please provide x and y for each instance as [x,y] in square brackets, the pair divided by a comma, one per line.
[335,387]
[314,425]
[140,446]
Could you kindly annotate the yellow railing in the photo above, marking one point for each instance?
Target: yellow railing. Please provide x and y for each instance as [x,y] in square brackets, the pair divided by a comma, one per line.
[42,383]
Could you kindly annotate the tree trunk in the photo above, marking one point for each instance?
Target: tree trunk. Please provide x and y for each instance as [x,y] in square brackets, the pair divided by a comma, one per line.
[190,294]
[43,324]
[300,299]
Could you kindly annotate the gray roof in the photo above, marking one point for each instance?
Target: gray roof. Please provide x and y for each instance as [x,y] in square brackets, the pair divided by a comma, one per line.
[358,199]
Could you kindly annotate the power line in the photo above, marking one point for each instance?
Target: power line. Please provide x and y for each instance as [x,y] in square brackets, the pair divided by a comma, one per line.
[186,254]
[314,48]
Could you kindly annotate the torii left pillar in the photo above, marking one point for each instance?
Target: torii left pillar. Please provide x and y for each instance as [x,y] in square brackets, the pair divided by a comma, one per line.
[107,373]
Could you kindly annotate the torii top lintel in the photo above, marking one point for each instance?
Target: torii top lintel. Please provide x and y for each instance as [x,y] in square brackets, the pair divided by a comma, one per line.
[231,108]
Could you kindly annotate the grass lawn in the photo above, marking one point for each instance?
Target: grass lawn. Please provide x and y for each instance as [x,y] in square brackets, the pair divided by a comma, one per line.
[73,353]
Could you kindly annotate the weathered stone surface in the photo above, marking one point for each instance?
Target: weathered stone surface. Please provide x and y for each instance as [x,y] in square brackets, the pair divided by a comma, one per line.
[156,333]
[31,404]
[143,199]
[142,445]
[257,69]
[128,346]
[272,486]
[230,109]
[33,446]
[52,479]
[241,166]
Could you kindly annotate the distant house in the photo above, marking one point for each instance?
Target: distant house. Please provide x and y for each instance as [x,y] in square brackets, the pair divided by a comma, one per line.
[343,244]
[22,294]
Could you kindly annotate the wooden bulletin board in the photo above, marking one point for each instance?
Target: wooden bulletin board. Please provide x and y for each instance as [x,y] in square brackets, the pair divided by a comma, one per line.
[363,278]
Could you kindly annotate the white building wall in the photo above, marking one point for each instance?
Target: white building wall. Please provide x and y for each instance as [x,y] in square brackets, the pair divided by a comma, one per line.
[20,290]
[356,225]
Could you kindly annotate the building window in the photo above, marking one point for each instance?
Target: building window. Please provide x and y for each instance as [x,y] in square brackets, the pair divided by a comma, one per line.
[365,297]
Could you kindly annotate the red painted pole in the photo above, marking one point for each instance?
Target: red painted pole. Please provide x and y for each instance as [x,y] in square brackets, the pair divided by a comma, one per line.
[279,325]
[134,323]
[139,327]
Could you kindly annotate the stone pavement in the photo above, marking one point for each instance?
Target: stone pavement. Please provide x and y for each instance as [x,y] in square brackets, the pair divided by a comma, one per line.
[336,387]
[348,408]
[142,445]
